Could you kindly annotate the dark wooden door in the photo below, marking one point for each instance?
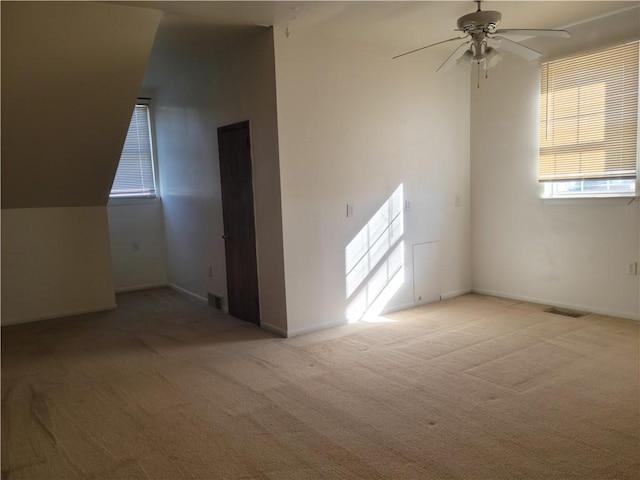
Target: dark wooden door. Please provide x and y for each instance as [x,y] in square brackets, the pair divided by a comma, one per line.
[234,148]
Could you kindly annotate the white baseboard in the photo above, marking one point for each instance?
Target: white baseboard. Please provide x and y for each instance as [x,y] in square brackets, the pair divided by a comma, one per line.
[397,308]
[69,313]
[187,293]
[571,306]
[135,288]
[315,328]
[456,293]
[273,329]
[405,306]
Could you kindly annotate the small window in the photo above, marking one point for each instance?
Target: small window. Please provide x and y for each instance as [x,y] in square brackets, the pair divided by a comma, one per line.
[135,175]
[589,124]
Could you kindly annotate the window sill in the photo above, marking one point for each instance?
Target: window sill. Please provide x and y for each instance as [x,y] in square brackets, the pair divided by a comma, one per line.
[124,201]
[600,200]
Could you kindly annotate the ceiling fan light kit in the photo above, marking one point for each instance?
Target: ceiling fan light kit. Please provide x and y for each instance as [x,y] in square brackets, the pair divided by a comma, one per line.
[484,41]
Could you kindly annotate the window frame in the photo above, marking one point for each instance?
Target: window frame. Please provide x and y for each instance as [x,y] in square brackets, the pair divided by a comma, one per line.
[139,199]
[549,188]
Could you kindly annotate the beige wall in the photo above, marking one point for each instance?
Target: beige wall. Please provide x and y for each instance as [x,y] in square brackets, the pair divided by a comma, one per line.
[71,72]
[55,262]
[348,127]
[137,237]
[571,253]
[200,91]
[354,125]
[138,253]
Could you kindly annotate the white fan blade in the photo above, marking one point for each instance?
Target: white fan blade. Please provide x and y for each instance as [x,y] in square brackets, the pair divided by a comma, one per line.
[432,45]
[514,47]
[453,58]
[534,32]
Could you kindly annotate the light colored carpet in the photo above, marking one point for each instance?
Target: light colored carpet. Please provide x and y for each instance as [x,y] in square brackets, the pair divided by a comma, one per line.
[470,388]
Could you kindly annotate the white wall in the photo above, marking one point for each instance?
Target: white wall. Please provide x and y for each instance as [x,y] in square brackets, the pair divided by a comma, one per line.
[571,253]
[138,253]
[353,125]
[202,90]
[55,262]
[136,231]
[58,156]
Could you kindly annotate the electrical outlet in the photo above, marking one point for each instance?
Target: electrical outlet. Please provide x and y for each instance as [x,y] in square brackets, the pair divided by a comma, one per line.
[632,268]
[214,300]
[136,246]
[210,271]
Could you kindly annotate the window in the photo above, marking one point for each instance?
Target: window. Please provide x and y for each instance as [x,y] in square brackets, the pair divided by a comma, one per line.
[135,175]
[589,124]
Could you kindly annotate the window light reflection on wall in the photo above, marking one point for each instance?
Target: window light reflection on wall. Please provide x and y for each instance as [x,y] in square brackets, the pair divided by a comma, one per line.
[374,260]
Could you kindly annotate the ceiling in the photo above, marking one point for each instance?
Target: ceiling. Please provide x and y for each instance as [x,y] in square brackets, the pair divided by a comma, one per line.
[397,25]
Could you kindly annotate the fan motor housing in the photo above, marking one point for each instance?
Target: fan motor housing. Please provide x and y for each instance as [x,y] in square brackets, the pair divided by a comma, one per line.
[479,20]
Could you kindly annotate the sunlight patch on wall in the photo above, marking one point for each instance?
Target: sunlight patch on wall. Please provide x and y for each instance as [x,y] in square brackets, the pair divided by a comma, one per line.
[374,260]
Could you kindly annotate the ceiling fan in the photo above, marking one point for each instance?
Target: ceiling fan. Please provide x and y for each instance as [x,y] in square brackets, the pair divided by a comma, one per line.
[484,40]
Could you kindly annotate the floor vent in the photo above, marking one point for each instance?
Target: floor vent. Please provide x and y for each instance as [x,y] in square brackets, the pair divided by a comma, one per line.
[214,301]
[564,313]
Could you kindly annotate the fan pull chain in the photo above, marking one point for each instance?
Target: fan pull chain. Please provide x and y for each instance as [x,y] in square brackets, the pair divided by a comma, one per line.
[546,113]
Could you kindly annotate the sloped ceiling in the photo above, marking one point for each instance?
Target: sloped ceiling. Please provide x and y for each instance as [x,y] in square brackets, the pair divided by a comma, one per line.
[71,72]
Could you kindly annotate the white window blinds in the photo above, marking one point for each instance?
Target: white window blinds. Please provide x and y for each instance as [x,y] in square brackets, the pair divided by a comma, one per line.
[135,177]
[589,116]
